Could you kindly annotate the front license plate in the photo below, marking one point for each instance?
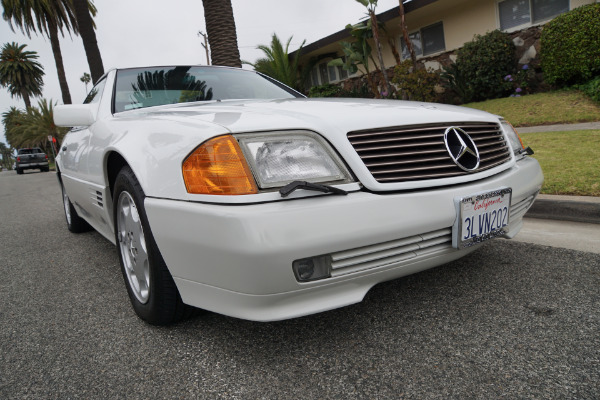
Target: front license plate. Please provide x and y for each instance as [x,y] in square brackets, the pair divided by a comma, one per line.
[481,217]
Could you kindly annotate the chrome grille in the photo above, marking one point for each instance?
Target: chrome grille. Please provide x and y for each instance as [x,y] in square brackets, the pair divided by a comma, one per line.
[519,209]
[418,152]
[397,251]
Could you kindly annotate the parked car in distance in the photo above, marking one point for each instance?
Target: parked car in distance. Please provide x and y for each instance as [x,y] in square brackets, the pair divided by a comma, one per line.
[31,158]
[226,190]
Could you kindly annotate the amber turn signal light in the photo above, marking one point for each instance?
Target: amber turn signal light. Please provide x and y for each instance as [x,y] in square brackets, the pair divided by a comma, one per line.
[218,167]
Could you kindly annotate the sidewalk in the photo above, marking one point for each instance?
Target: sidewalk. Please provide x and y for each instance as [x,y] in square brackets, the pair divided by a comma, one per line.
[558,128]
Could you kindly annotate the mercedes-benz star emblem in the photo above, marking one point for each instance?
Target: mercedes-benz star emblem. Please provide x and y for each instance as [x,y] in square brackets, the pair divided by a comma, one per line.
[461,148]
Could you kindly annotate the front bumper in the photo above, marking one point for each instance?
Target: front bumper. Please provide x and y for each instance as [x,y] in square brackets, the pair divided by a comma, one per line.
[237,259]
[35,165]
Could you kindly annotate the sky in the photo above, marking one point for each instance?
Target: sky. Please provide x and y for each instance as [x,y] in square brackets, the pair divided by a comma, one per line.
[135,33]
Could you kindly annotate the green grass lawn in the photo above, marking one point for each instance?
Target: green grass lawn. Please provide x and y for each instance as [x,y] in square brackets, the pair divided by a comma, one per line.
[560,107]
[570,161]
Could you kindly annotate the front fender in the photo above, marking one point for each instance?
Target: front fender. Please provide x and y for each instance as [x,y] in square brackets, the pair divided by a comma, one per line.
[154,148]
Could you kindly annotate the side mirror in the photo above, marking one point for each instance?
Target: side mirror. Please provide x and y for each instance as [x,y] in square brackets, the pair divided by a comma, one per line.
[75,115]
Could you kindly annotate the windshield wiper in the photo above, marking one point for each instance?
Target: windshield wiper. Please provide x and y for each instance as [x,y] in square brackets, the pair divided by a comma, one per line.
[291,187]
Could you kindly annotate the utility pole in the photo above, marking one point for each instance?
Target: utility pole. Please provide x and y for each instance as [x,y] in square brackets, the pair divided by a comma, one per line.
[205,45]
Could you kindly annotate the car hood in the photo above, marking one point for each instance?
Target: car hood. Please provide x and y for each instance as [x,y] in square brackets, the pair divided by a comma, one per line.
[329,117]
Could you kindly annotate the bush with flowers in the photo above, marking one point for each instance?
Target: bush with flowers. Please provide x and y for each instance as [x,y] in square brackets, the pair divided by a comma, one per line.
[521,82]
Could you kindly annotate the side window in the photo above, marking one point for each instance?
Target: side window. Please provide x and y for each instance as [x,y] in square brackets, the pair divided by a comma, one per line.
[96,93]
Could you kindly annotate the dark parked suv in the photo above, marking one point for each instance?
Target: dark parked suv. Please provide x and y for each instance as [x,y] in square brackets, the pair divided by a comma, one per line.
[33,158]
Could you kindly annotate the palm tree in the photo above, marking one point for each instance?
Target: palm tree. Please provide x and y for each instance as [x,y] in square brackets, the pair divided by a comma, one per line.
[44,16]
[84,11]
[404,29]
[370,5]
[222,38]
[7,155]
[20,72]
[32,128]
[358,53]
[85,78]
[277,63]
[12,120]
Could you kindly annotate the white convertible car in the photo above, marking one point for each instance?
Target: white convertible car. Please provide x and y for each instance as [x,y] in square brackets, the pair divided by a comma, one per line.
[228,191]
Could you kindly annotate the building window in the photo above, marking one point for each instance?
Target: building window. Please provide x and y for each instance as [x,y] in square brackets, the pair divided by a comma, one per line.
[323,73]
[515,13]
[342,73]
[332,73]
[426,41]
[433,39]
[314,74]
[415,40]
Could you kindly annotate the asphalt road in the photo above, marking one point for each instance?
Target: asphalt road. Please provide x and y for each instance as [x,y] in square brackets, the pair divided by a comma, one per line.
[513,320]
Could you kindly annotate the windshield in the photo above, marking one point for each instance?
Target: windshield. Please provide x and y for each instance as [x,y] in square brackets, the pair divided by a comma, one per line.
[148,87]
[29,151]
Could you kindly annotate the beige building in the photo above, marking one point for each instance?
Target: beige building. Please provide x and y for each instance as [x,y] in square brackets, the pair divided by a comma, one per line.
[437,28]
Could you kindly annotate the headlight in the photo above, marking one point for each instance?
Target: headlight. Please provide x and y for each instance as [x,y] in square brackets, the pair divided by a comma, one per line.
[513,137]
[280,158]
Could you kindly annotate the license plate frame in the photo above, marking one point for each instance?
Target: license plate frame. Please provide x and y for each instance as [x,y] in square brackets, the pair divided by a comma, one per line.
[481,216]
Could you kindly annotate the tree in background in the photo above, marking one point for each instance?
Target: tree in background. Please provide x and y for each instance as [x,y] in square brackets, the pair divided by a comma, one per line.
[49,17]
[374,25]
[357,54]
[404,29]
[7,156]
[20,72]
[11,120]
[84,11]
[277,63]
[222,37]
[31,128]
[85,78]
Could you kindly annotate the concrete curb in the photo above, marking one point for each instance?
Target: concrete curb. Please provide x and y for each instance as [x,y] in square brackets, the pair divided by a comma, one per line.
[566,208]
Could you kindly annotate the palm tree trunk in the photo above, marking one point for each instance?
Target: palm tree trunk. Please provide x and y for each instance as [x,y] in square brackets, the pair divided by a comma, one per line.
[405,35]
[375,30]
[371,83]
[88,36]
[25,97]
[392,44]
[60,68]
[222,37]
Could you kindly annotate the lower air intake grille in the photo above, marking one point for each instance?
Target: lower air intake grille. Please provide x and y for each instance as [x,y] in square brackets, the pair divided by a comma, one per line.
[378,255]
[418,152]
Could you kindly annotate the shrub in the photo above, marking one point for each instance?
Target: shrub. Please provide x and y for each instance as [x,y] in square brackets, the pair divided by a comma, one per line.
[591,88]
[522,81]
[459,89]
[570,46]
[362,91]
[484,62]
[327,90]
[416,85]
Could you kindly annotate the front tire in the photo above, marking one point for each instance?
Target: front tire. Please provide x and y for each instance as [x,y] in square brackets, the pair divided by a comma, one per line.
[150,286]
[75,223]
